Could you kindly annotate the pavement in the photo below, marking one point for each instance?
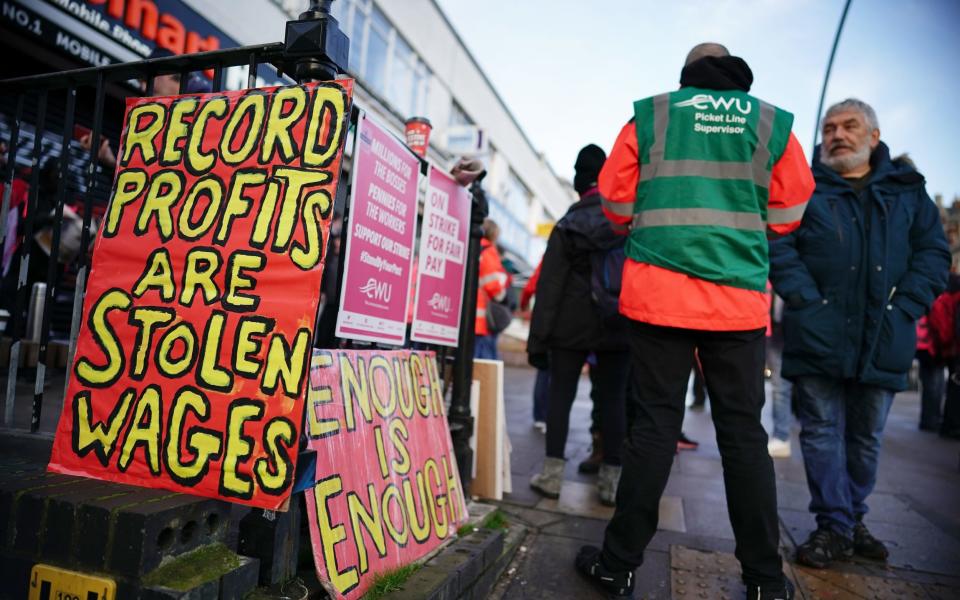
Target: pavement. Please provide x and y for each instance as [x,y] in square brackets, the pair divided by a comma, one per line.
[915,510]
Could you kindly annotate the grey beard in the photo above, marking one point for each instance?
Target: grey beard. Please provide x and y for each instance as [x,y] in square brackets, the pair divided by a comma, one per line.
[848,162]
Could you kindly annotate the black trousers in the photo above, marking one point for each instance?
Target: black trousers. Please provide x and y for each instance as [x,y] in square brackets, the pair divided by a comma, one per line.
[610,379]
[733,368]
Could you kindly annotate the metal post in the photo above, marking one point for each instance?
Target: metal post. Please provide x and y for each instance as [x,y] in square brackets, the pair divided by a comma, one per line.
[826,77]
[7,191]
[83,266]
[460,419]
[26,246]
[321,50]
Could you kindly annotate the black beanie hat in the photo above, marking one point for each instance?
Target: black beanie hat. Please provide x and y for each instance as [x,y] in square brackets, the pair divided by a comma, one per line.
[587,168]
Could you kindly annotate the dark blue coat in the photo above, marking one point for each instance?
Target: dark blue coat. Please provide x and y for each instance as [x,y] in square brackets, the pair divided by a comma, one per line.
[853,297]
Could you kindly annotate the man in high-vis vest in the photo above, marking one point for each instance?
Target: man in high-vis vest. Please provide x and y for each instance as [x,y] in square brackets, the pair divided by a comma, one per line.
[699,178]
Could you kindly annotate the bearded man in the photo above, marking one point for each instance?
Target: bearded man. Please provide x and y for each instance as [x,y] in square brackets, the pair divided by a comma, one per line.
[866,262]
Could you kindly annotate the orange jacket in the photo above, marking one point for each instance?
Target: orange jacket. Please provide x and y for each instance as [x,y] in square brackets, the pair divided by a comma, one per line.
[531,288]
[493,283]
[662,297]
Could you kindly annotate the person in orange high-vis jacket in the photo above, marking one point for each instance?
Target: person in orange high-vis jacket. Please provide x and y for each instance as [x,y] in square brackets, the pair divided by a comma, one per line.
[699,179]
[493,285]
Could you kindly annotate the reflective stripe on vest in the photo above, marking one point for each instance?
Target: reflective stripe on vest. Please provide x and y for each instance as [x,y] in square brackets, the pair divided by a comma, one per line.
[756,169]
[663,217]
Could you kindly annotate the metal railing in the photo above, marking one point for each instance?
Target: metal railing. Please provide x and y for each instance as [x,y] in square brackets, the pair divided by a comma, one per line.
[314,48]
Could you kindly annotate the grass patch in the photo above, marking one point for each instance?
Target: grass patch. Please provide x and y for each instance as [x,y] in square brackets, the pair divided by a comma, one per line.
[193,568]
[466,530]
[496,520]
[390,581]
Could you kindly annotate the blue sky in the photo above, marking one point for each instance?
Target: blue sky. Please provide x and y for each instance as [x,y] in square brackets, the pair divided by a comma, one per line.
[569,70]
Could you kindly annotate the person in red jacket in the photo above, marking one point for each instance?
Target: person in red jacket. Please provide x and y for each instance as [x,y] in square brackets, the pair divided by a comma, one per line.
[679,181]
[942,323]
[494,282]
[542,384]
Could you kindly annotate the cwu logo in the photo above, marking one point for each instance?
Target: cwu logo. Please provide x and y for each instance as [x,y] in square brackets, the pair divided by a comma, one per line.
[706,101]
[377,290]
[440,302]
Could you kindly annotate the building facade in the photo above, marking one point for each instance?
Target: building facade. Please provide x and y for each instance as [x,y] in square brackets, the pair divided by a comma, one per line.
[408,60]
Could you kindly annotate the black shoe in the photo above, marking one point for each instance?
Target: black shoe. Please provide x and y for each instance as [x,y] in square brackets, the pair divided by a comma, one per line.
[785,592]
[867,546]
[823,547]
[617,584]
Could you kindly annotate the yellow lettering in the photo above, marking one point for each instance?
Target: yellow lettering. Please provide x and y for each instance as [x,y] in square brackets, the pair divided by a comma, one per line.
[164,192]
[106,338]
[128,187]
[237,205]
[142,138]
[247,346]
[398,535]
[204,443]
[99,438]
[211,187]
[146,320]
[209,374]
[420,530]
[177,129]
[158,275]
[384,409]
[272,473]
[255,104]
[200,266]
[145,431]
[237,280]
[308,256]
[440,500]
[399,436]
[166,363]
[279,124]
[197,159]
[371,522]
[286,363]
[353,387]
[331,535]
[325,127]
[296,180]
[238,448]
[261,226]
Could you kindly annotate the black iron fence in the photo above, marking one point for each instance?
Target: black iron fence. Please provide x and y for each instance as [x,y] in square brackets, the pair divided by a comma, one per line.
[53,126]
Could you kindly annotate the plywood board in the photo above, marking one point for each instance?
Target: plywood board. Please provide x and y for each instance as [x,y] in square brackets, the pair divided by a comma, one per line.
[490,430]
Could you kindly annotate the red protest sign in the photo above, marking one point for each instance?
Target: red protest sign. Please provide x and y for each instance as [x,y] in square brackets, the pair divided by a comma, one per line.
[198,319]
[388,491]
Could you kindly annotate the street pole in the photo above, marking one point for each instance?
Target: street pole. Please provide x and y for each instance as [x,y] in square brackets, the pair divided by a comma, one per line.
[460,419]
[316,41]
[826,77]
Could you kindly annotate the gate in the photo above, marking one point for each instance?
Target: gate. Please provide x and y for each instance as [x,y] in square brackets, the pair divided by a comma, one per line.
[50,111]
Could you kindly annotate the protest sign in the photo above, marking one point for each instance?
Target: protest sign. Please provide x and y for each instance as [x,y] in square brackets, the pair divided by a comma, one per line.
[443,260]
[380,238]
[388,490]
[198,320]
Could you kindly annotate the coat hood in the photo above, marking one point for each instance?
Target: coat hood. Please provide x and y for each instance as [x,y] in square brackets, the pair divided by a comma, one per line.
[586,218]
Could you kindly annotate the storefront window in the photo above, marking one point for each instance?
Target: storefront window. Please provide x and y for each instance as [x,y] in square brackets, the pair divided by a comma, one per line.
[401,77]
[516,196]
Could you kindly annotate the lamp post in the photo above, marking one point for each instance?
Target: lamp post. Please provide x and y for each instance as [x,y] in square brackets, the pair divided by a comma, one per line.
[460,419]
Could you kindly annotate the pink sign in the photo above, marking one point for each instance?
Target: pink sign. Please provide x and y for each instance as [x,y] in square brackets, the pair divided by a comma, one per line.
[442,266]
[387,489]
[380,238]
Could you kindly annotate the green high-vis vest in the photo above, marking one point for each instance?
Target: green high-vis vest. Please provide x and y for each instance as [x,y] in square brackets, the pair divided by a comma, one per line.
[705,163]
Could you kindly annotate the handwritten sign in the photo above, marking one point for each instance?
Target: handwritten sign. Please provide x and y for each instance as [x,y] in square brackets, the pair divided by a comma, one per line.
[380,238]
[443,259]
[193,354]
[388,491]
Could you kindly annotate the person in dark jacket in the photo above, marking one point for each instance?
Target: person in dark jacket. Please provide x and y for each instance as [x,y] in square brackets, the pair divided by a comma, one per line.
[867,261]
[567,326]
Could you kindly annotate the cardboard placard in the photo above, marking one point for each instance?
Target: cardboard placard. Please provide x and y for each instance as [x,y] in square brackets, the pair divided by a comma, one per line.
[443,261]
[380,237]
[194,349]
[388,491]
